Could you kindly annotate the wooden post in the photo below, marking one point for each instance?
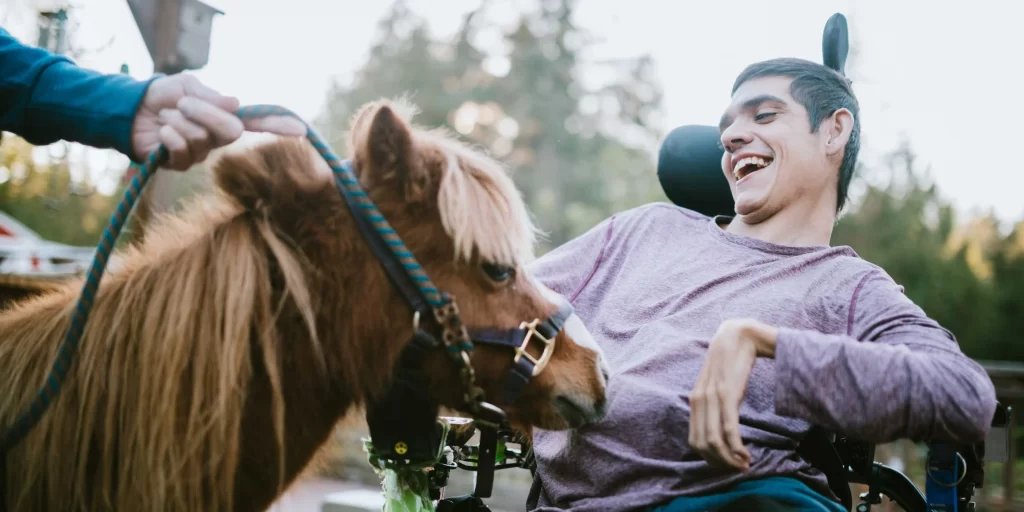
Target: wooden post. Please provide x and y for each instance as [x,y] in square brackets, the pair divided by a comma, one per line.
[1009,469]
[164,61]
[177,35]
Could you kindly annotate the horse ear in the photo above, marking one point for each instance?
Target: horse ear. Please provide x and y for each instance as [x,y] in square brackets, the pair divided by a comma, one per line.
[389,151]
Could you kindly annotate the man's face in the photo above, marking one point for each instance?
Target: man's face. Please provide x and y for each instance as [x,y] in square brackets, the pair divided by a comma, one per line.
[772,160]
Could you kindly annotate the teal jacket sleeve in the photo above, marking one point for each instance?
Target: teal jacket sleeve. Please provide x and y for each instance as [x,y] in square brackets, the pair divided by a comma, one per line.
[45,98]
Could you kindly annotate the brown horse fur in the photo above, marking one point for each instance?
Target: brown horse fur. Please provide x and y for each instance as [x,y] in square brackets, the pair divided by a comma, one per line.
[220,353]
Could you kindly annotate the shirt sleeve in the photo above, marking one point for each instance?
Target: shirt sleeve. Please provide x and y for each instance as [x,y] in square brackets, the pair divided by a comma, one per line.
[568,268]
[896,374]
[45,98]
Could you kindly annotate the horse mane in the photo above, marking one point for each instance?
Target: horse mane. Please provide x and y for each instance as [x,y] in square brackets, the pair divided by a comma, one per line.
[157,390]
[480,207]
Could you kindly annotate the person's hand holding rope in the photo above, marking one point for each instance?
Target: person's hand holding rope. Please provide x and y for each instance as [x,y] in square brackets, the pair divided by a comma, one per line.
[191,120]
[47,98]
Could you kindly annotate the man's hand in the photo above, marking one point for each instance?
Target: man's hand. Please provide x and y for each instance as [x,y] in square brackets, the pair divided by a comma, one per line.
[192,119]
[721,386]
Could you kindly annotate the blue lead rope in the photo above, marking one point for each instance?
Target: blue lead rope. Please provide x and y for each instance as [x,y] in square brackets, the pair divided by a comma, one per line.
[345,179]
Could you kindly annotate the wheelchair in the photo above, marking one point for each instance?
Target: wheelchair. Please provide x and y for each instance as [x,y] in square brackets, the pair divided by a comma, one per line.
[689,170]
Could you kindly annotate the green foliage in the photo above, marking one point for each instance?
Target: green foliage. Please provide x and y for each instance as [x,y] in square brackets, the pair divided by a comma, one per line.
[566,143]
[965,276]
[44,197]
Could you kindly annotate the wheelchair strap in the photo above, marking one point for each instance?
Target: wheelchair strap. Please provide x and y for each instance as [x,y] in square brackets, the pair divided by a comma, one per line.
[945,471]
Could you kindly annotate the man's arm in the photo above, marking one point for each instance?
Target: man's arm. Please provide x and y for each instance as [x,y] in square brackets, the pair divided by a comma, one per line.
[896,374]
[45,98]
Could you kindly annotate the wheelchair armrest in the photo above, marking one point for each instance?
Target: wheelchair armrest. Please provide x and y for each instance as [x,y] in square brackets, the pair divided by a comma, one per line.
[996,447]
[894,484]
[857,457]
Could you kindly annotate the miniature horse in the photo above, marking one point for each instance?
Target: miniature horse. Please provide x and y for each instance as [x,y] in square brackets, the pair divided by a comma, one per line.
[221,352]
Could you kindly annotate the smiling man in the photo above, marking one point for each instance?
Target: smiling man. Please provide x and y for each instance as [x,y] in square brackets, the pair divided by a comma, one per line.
[730,337]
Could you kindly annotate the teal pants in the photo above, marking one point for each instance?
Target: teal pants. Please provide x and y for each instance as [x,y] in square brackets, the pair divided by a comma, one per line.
[790,493]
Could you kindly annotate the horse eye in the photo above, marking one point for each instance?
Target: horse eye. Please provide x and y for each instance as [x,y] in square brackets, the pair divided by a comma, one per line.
[498,273]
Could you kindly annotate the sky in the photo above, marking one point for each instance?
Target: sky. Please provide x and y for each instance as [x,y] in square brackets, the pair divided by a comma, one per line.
[944,76]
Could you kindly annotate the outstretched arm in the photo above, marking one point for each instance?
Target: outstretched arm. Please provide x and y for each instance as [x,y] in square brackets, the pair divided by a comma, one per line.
[897,374]
[45,98]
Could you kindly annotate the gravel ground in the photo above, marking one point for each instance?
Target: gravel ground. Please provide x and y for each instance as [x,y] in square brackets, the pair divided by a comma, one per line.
[308,495]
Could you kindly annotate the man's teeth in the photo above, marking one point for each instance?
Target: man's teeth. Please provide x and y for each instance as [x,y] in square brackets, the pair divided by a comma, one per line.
[750,160]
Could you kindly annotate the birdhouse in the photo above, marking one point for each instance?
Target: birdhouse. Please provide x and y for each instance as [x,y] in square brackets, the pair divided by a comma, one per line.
[176,32]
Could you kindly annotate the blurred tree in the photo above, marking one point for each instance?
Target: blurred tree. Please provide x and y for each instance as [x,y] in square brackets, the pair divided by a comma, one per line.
[51,198]
[908,230]
[579,155]
[405,61]
[1008,283]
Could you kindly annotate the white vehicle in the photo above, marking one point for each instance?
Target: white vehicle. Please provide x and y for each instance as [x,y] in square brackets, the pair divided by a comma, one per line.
[24,252]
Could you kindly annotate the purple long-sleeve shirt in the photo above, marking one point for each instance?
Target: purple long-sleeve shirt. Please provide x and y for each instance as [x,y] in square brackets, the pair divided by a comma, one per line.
[853,355]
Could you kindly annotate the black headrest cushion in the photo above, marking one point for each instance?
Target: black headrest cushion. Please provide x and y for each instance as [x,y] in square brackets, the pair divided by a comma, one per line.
[690,159]
[690,170]
[835,43]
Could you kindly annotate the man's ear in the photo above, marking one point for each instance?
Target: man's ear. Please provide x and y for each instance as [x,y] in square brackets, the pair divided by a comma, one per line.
[386,152]
[839,127]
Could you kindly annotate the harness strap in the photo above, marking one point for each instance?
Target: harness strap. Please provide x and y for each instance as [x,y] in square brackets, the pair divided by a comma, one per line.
[514,337]
[522,368]
[518,377]
[392,265]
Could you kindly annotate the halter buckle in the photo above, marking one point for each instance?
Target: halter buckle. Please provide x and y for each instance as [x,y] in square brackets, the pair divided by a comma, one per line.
[532,333]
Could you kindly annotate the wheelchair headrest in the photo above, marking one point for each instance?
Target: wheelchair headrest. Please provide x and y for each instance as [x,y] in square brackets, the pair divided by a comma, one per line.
[690,171]
[690,159]
[835,43]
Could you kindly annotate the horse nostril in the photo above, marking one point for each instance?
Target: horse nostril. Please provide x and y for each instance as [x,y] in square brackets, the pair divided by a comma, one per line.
[605,374]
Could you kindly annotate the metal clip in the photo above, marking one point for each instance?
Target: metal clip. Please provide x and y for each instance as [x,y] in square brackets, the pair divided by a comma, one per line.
[545,356]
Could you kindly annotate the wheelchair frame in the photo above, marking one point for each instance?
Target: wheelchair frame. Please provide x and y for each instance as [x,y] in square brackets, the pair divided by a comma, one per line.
[842,459]
[846,460]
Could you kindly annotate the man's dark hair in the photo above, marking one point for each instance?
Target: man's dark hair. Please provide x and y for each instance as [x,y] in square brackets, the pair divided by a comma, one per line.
[822,91]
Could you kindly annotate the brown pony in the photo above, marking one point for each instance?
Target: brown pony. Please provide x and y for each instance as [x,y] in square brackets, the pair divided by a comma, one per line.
[220,354]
